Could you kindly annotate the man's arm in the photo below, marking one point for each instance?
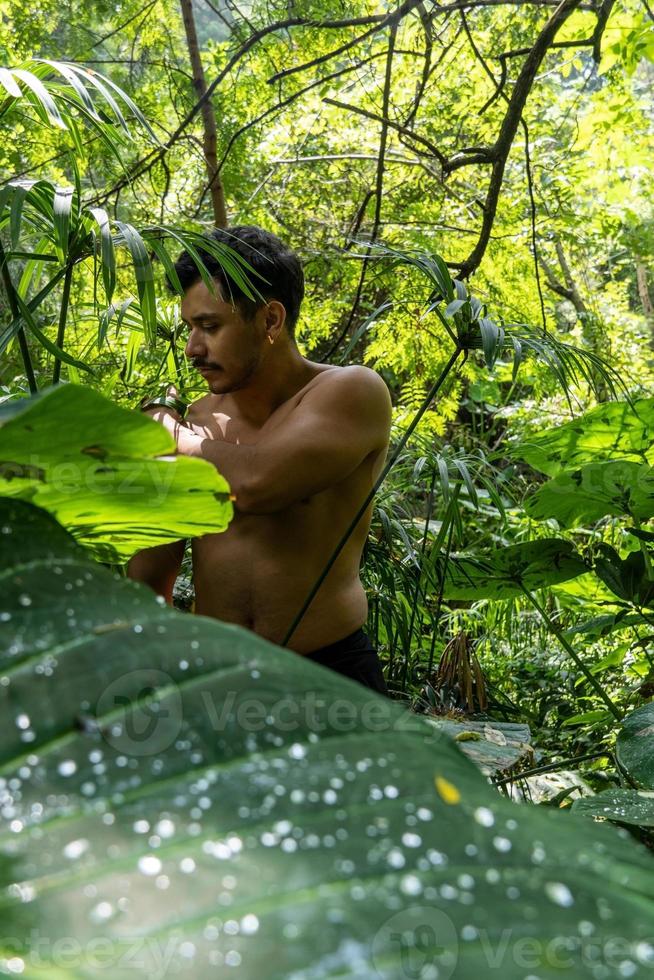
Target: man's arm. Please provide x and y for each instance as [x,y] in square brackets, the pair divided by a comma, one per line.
[158,567]
[337,424]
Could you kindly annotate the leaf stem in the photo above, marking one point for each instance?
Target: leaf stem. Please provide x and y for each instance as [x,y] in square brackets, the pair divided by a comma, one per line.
[592,680]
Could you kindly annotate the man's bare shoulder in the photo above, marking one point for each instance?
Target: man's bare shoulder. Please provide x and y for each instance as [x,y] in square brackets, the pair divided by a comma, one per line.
[353,383]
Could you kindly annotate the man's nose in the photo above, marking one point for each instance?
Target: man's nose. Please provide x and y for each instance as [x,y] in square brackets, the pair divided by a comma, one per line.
[195,345]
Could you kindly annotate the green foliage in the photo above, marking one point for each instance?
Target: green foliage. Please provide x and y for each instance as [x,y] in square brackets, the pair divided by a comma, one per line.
[68,234]
[152,774]
[109,475]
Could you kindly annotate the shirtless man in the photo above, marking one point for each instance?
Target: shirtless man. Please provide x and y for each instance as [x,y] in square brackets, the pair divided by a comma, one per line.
[300,444]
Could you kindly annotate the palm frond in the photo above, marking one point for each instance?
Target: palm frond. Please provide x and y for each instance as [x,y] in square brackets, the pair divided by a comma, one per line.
[59,93]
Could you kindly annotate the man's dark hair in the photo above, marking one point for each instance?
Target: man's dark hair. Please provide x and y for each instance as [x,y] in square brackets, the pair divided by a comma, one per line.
[280,267]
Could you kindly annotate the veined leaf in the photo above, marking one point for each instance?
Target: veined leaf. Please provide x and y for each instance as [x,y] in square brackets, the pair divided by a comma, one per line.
[510,571]
[492,339]
[628,578]
[42,101]
[74,81]
[454,306]
[102,83]
[107,251]
[62,206]
[17,201]
[9,83]
[44,340]
[613,429]
[12,329]
[589,717]
[613,488]
[134,342]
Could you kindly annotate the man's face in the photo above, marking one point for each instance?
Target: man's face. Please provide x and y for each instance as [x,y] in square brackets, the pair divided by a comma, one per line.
[222,345]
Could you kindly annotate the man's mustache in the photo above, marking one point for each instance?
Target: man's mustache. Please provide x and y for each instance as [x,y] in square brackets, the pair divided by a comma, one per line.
[197,364]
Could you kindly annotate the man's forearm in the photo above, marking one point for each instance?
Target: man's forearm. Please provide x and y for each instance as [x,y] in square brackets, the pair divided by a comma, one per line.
[238,464]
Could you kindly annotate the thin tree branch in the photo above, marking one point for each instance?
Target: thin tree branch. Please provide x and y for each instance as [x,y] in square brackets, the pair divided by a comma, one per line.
[10,290]
[389,20]
[149,160]
[145,10]
[278,106]
[532,213]
[553,283]
[220,15]
[510,123]
[390,124]
[379,21]
[426,68]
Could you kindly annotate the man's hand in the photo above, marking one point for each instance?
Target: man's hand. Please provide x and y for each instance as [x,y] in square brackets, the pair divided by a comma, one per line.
[169,417]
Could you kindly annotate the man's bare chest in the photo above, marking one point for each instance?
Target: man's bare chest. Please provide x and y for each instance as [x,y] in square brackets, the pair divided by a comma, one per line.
[223,426]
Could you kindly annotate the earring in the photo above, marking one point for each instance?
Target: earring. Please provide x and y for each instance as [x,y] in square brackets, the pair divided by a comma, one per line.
[271,339]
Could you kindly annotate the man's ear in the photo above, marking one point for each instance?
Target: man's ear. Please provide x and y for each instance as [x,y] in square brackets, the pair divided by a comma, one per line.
[275,318]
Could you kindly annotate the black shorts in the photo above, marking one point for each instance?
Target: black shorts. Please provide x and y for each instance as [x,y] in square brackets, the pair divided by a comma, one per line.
[354,657]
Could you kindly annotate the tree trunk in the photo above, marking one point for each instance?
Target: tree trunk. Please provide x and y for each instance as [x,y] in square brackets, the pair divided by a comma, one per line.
[208,117]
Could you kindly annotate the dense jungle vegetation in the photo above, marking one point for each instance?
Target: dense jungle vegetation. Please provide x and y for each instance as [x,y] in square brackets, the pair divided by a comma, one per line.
[469,186]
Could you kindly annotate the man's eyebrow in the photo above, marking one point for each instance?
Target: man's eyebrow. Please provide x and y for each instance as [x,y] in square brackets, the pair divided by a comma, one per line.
[201,318]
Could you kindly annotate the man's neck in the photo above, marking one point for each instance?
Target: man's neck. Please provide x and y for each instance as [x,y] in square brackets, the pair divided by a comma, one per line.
[281,375]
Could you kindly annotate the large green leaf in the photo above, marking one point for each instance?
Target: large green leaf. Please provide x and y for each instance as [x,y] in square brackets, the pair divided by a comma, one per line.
[612,429]
[635,745]
[182,795]
[107,474]
[622,805]
[509,572]
[596,490]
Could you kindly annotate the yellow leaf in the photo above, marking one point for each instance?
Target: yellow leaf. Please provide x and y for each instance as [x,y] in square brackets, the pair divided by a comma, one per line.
[447,791]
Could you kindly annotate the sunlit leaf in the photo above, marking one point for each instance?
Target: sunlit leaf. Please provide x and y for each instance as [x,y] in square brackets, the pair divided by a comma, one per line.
[108,474]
